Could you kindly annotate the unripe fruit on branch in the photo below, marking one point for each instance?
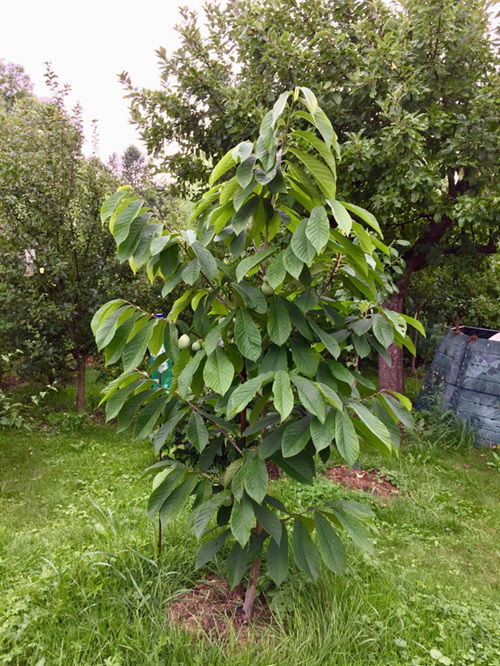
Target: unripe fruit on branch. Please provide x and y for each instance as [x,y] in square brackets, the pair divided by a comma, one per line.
[196,346]
[184,341]
[266,289]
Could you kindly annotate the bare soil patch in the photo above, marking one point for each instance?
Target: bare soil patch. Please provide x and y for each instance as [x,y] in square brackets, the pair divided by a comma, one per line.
[211,607]
[369,481]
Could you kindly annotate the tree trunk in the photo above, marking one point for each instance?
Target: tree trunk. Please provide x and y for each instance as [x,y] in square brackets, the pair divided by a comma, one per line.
[81,373]
[249,602]
[392,376]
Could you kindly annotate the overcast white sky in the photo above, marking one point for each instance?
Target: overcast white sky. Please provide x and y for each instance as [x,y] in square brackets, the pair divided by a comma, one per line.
[88,44]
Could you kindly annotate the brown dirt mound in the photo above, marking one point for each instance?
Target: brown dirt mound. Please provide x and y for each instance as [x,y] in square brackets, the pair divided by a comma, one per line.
[211,607]
[369,481]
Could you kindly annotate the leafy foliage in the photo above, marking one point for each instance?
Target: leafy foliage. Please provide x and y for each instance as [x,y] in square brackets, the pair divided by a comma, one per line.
[418,129]
[270,381]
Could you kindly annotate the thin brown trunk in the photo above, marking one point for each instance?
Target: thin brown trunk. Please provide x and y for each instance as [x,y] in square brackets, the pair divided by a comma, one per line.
[392,376]
[251,592]
[81,375]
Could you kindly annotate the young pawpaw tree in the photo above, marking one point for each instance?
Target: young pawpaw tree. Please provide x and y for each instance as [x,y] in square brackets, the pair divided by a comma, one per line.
[282,283]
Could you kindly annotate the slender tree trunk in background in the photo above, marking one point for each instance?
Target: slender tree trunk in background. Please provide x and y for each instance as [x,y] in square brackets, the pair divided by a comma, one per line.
[81,374]
[392,376]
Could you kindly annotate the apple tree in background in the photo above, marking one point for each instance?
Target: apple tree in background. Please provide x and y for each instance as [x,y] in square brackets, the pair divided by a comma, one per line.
[283,285]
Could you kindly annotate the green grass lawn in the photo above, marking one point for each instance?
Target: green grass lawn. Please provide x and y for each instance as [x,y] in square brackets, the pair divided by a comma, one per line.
[79,584]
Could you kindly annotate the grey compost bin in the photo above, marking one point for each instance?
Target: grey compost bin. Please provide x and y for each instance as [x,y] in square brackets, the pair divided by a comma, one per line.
[464,377]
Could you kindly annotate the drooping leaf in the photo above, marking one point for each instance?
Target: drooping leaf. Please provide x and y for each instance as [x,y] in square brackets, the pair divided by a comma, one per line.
[346,439]
[372,423]
[242,520]
[175,502]
[161,492]
[282,394]
[196,431]
[250,262]
[331,548]
[242,395]
[277,559]
[295,437]
[301,246]
[247,335]
[341,216]
[305,550]
[310,397]
[204,512]
[218,372]
[382,330]
[236,564]
[279,325]
[318,228]
[305,358]
[276,271]
[255,478]
[269,521]
[323,434]
[210,549]
[186,376]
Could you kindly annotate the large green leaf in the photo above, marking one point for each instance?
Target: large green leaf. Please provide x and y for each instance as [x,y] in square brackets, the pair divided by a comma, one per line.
[318,228]
[150,414]
[276,271]
[223,165]
[210,549]
[331,547]
[341,215]
[134,351]
[310,397]
[305,358]
[203,513]
[322,174]
[282,394]
[372,423]
[218,372]
[328,340]
[346,439]
[255,477]
[305,550]
[206,260]
[236,564]
[269,522]
[242,520]
[196,431]
[120,226]
[279,325]
[301,245]
[163,490]
[277,559]
[247,335]
[323,434]
[253,260]
[382,330]
[292,263]
[295,437]
[186,377]
[175,502]
[242,395]
[367,217]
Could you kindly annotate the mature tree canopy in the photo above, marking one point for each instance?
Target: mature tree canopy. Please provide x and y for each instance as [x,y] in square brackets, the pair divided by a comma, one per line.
[410,86]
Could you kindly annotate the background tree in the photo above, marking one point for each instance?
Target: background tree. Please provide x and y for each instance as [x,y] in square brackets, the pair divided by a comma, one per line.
[57,262]
[261,366]
[14,83]
[412,89]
